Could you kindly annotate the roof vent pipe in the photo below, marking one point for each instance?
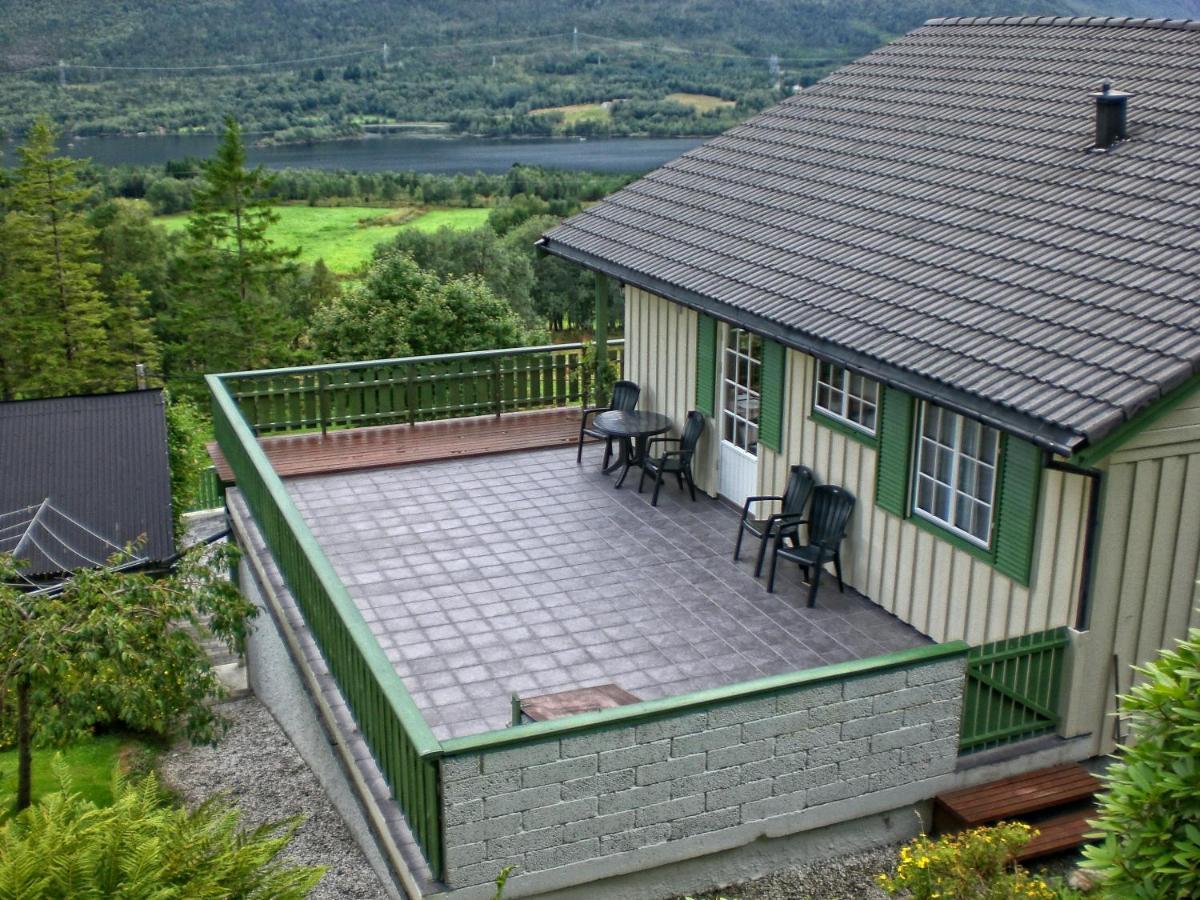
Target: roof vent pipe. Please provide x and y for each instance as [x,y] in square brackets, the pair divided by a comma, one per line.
[1110,116]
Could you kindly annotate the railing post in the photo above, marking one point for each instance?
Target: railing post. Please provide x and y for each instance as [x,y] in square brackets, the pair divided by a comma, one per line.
[323,400]
[601,332]
[496,385]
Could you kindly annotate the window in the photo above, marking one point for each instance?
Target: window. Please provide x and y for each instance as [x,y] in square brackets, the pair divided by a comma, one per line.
[956,473]
[742,383]
[847,397]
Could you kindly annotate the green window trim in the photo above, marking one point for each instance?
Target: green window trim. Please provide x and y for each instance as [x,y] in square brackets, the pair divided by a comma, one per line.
[857,434]
[771,399]
[706,364]
[1012,543]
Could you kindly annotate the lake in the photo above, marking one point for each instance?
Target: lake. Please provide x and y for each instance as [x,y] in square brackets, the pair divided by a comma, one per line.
[404,153]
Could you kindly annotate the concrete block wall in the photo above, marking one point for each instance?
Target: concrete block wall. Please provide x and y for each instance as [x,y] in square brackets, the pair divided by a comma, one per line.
[599,793]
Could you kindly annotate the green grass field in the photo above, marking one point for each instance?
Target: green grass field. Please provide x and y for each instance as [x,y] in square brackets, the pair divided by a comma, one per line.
[91,763]
[702,103]
[333,233]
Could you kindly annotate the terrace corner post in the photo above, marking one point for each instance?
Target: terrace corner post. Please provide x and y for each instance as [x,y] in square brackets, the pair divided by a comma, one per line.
[601,334]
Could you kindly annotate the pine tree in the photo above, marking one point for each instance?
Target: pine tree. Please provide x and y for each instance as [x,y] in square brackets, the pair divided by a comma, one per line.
[226,313]
[54,312]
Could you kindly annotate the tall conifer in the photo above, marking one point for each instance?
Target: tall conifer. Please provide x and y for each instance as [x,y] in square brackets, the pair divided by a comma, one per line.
[54,312]
[226,313]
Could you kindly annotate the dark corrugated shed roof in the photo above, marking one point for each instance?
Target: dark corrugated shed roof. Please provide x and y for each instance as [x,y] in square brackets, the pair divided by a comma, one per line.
[931,215]
[102,464]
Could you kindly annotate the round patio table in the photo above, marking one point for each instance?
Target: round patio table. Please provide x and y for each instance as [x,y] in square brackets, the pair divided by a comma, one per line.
[633,431]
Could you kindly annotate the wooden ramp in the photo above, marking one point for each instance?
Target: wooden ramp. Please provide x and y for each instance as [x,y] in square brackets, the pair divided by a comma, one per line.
[1057,802]
[395,445]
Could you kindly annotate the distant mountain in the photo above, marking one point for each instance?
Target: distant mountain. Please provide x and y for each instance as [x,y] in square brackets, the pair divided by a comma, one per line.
[311,68]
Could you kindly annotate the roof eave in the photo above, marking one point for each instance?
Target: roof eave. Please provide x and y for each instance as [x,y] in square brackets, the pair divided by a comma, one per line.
[1043,434]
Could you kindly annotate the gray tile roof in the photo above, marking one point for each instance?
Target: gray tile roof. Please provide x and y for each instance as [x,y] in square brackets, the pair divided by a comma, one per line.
[931,215]
[100,462]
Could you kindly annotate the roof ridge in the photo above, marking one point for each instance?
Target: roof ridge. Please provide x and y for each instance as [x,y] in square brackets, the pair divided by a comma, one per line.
[1090,21]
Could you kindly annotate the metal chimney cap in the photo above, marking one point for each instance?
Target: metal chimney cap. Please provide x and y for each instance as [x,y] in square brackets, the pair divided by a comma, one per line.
[1107,95]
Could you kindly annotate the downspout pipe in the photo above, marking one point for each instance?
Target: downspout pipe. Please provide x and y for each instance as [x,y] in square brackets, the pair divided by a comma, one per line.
[1091,533]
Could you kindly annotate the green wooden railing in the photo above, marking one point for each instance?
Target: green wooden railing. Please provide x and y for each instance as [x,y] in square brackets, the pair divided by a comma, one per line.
[403,745]
[1012,690]
[209,492]
[414,389]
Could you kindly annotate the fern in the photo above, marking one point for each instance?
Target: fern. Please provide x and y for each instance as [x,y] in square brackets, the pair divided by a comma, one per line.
[141,848]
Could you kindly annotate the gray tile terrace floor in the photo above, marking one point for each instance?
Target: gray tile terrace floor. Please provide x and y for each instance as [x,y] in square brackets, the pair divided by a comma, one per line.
[525,572]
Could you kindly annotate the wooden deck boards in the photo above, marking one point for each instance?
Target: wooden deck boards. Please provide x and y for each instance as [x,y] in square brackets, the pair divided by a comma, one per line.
[394,445]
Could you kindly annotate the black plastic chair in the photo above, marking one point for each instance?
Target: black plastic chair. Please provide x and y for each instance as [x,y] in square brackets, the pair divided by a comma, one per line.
[624,398]
[799,488]
[676,462]
[830,511]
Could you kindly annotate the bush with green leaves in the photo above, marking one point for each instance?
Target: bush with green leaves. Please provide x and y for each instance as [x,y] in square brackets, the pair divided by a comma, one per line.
[1149,822]
[142,847]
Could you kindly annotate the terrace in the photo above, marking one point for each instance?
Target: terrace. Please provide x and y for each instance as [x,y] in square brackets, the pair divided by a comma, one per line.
[423,595]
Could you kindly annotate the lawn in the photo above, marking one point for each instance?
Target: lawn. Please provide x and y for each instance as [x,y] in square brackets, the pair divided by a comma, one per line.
[91,764]
[577,112]
[701,103]
[335,233]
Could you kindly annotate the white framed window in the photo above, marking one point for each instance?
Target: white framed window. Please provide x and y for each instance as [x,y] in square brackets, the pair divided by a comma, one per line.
[847,396]
[742,383]
[955,483]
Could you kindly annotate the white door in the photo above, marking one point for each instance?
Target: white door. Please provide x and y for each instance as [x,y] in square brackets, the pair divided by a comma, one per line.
[737,459]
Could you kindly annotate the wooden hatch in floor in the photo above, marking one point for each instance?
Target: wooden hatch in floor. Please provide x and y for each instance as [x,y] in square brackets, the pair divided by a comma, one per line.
[1057,802]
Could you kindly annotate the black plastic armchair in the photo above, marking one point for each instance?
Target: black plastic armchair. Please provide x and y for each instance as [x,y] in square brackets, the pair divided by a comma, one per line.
[624,398]
[799,488]
[830,511]
[674,462]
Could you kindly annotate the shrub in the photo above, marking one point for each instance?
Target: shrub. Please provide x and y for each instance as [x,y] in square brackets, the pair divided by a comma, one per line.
[1150,807]
[973,865]
[140,847]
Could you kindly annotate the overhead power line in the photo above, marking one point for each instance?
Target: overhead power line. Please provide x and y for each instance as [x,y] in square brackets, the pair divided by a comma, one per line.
[358,51]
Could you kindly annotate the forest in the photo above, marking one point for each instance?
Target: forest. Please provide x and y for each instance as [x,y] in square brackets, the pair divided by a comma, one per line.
[305,70]
[93,285]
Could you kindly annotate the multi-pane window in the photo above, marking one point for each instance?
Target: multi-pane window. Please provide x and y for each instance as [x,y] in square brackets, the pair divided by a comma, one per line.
[847,396]
[741,381]
[956,473]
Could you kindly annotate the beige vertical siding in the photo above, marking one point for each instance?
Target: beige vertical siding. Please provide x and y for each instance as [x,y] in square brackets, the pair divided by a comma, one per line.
[660,355]
[1145,591]
[945,592]
[1146,585]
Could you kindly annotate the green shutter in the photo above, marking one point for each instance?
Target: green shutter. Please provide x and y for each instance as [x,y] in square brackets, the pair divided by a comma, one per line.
[706,365]
[774,380]
[895,445]
[1017,508]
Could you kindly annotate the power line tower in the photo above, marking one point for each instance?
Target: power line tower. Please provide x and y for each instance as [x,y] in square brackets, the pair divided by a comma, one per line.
[575,40]
[385,54]
[62,74]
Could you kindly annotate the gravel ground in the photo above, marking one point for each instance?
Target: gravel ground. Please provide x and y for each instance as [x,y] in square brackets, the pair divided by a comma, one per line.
[841,878]
[263,773]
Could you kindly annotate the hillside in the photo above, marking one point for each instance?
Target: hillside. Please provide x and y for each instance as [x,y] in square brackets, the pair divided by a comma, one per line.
[305,69]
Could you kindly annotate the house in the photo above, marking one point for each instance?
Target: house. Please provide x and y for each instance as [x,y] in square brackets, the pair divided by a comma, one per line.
[83,478]
[957,277]
[972,299]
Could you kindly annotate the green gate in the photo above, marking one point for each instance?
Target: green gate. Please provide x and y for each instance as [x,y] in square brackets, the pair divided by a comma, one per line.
[1012,690]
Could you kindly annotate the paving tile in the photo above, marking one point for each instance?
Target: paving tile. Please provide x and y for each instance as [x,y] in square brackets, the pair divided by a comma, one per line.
[527,573]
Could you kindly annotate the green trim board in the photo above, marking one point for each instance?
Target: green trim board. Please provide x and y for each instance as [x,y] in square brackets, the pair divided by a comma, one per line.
[827,421]
[706,364]
[1135,426]
[772,409]
[656,709]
